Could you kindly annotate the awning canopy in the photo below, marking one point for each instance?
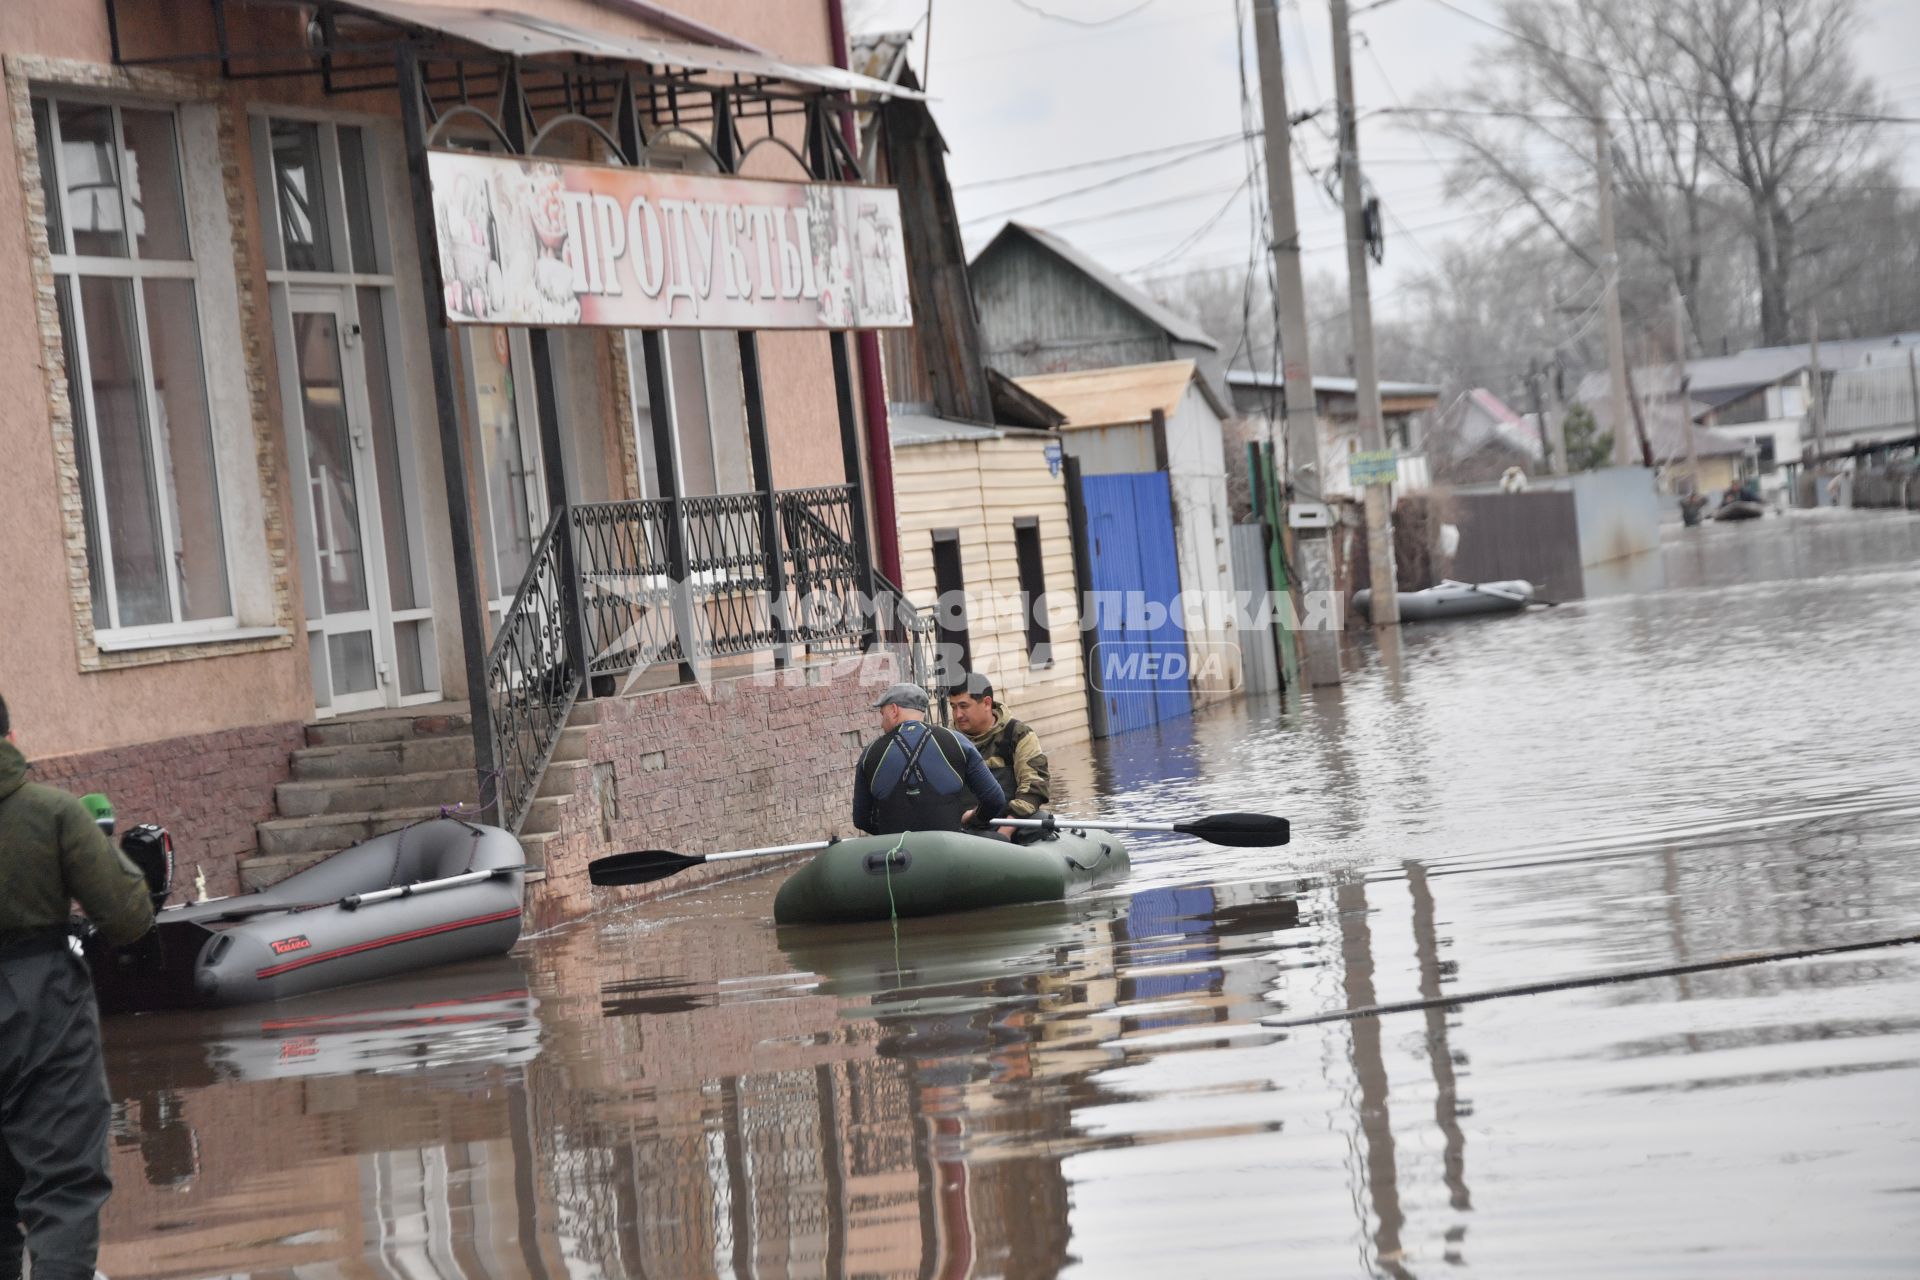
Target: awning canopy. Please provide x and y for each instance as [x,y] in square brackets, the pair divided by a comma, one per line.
[528,35]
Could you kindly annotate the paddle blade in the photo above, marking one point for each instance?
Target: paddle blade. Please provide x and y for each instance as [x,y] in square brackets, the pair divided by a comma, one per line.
[643,866]
[1238,830]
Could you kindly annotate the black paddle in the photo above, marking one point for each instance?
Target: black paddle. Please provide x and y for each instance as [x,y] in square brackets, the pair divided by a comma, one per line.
[1237,830]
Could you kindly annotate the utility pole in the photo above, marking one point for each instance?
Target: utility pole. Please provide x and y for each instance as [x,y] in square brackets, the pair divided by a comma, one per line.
[1617,404]
[1819,400]
[1557,416]
[1913,389]
[1539,416]
[1385,609]
[1682,383]
[1312,547]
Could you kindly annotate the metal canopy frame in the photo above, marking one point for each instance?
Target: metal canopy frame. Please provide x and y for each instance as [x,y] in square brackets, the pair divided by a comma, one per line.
[520,102]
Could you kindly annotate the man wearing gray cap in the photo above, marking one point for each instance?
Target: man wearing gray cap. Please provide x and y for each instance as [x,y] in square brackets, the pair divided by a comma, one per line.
[918,776]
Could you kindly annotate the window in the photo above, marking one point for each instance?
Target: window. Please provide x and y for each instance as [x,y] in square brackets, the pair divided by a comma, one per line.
[125,287]
[950,612]
[709,412]
[1033,590]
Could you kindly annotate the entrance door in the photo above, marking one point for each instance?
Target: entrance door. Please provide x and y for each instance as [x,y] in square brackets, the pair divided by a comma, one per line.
[348,628]
[514,502]
[1142,661]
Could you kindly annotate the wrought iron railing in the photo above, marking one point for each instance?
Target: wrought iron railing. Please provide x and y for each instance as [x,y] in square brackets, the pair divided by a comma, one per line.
[626,583]
[531,680]
[729,578]
[822,568]
[680,581]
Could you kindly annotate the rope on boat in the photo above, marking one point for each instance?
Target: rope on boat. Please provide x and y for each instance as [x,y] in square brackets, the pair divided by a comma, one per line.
[1594,980]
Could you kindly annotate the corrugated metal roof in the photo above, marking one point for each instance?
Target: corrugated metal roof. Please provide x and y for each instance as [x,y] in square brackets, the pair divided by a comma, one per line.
[1718,379]
[530,35]
[909,429]
[1331,383]
[1874,399]
[1176,325]
[1118,397]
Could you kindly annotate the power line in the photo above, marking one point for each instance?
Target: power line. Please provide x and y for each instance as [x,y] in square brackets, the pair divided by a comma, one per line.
[1121,158]
[1611,117]
[1198,233]
[1038,12]
[1162,203]
[1101,185]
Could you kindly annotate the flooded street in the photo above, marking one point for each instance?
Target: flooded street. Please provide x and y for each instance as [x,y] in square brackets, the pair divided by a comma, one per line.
[1713,755]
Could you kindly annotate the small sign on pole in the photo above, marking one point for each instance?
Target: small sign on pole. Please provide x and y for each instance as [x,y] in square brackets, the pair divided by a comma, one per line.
[1053,455]
[1374,466]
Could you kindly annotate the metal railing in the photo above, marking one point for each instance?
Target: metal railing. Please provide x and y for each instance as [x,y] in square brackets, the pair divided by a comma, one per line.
[531,681]
[681,581]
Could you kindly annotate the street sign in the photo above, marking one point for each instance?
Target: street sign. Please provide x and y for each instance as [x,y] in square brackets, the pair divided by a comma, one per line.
[1378,466]
[1053,454]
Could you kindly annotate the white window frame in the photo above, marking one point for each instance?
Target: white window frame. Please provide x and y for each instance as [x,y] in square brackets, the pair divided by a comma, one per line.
[68,268]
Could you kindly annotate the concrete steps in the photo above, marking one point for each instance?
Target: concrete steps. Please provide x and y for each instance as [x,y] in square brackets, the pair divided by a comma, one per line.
[359,778]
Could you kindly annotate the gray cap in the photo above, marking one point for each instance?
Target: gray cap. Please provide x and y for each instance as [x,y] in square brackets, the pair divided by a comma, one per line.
[910,696]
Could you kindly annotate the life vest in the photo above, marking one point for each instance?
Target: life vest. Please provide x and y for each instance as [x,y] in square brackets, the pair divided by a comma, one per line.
[915,803]
[998,751]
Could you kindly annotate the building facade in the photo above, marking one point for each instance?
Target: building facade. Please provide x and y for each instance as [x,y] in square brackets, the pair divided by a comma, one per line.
[260,488]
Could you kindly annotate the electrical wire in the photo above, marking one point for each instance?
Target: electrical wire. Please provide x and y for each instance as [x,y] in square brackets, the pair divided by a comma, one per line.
[1068,18]
[1162,203]
[1123,157]
[1101,185]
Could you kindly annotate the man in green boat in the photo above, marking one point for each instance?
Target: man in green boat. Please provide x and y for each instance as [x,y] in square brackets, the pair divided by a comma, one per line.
[1010,748]
[918,776]
[54,1111]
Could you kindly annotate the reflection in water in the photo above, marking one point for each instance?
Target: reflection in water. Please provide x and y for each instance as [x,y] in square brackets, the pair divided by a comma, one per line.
[1718,765]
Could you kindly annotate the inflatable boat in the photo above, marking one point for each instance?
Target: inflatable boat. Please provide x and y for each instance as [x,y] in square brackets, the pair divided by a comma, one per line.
[1455,600]
[430,894]
[1740,509]
[924,873]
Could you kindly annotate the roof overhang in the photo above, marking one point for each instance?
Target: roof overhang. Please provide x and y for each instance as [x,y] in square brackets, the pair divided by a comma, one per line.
[378,24]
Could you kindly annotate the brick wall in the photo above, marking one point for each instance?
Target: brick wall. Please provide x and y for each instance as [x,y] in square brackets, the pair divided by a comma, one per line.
[749,761]
[209,790]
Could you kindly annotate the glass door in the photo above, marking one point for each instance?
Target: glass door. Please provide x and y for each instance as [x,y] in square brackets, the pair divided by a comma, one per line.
[504,418]
[345,585]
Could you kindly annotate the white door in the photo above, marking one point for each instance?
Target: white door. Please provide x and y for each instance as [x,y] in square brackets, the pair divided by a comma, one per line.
[348,628]
[514,502]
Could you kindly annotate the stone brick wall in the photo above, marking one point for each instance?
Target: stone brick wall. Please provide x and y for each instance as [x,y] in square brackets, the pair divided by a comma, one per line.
[208,790]
[749,761]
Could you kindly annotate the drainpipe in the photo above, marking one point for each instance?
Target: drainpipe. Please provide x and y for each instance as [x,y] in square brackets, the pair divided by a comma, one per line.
[873,389]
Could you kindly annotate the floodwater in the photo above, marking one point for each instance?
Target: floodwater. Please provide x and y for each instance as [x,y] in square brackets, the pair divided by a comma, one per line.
[1717,760]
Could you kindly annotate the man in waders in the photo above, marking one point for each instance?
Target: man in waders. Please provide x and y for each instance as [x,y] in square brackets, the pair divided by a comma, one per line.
[918,776]
[53,1083]
[1010,748]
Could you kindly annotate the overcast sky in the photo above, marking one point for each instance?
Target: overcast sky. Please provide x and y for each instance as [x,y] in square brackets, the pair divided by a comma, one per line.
[1017,92]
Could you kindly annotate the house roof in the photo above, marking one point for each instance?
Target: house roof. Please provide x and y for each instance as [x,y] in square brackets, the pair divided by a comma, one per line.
[1879,398]
[1120,397]
[1331,384]
[1176,325]
[1016,406]
[907,430]
[1517,431]
[1719,379]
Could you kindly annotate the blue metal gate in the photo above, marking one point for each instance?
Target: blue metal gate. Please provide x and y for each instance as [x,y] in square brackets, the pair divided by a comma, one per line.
[1140,656]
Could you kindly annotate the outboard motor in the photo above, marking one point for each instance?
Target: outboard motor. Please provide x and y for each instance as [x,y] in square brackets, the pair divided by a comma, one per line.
[150,848]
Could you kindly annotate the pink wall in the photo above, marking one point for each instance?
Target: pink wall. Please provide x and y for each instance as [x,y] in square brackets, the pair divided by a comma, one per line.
[57,707]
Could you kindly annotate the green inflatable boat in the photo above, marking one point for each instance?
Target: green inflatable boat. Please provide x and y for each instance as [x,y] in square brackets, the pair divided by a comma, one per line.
[926,873]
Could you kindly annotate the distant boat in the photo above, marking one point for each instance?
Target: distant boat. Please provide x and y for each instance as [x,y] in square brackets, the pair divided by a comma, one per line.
[1452,599]
[1741,509]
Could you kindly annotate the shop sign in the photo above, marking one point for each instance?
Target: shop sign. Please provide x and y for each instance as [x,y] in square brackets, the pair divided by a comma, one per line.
[547,244]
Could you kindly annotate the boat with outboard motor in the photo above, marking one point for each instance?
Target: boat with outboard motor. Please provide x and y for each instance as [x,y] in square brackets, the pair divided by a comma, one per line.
[429,894]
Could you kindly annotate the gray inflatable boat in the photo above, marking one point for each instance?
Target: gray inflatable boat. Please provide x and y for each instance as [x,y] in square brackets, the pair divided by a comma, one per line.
[429,894]
[1455,600]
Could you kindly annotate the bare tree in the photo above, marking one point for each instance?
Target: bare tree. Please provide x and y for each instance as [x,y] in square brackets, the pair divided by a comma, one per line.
[1729,118]
[1793,118]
